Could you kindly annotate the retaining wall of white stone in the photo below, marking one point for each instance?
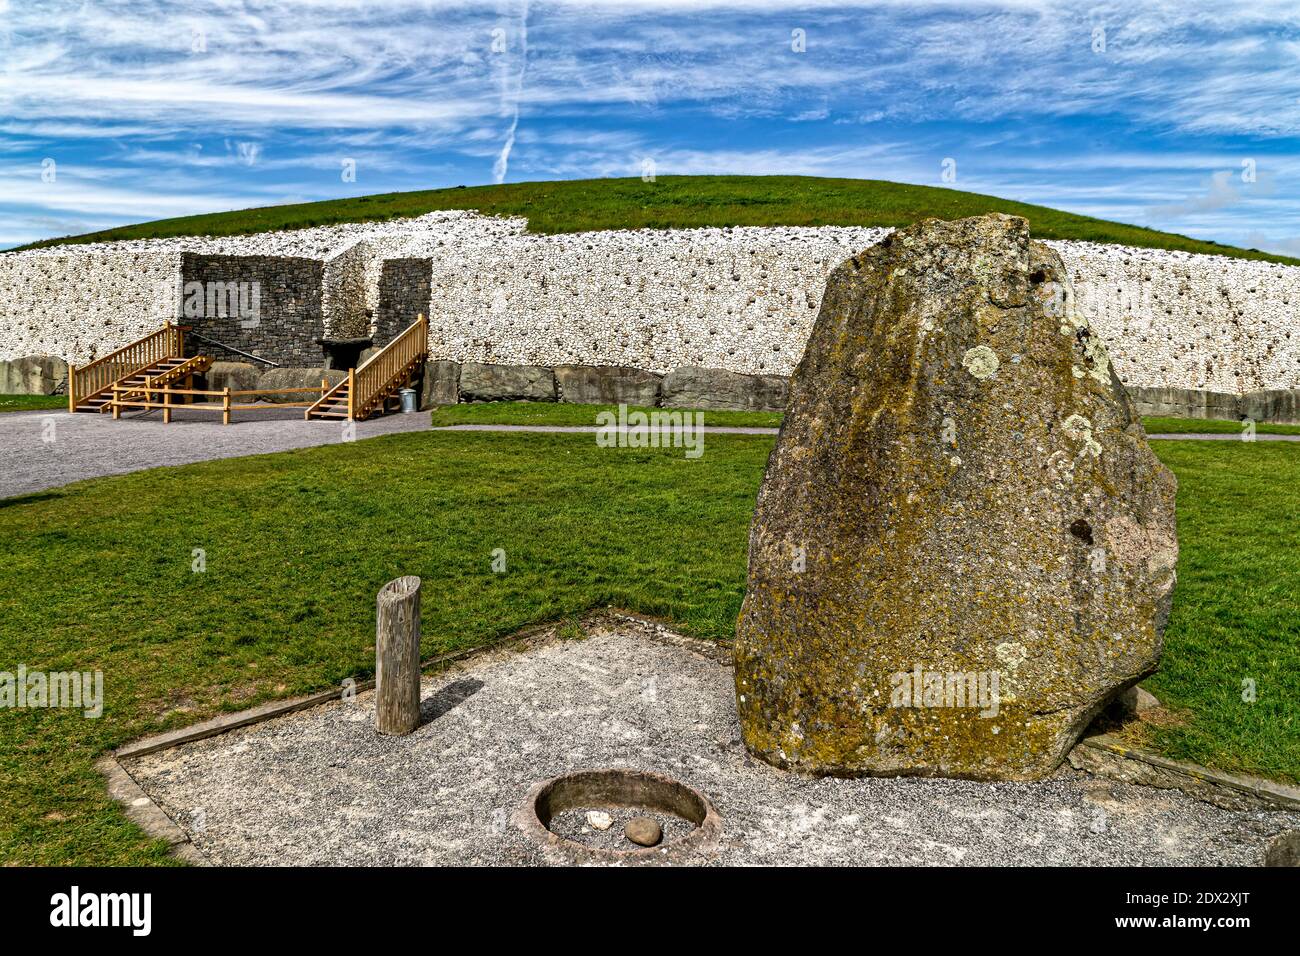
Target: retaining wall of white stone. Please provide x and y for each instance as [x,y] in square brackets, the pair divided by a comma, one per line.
[742,299]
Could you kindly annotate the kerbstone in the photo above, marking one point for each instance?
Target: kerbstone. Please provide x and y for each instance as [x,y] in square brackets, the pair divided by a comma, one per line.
[963,545]
[441,384]
[506,383]
[720,390]
[237,376]
[274,378]
[33,375]
[607,385]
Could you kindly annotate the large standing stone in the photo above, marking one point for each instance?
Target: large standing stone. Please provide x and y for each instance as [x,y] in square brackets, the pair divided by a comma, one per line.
[961,493]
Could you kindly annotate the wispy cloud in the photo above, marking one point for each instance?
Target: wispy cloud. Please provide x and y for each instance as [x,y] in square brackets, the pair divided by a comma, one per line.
[1100,106]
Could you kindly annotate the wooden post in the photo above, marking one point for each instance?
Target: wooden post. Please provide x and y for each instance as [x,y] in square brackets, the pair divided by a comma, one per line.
[117,409]
[167,405]
[352,393]
[225,407]
[397,656]
[72,387]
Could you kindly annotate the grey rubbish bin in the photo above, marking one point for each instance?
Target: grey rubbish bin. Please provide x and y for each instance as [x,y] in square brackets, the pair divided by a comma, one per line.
[408,400]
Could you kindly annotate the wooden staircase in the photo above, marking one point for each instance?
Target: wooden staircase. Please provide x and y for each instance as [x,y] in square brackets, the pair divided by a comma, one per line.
[155,360]
[371,387]
[158,375]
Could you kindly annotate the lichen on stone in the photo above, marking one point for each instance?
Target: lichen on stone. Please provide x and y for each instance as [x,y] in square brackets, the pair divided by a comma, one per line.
[922,561]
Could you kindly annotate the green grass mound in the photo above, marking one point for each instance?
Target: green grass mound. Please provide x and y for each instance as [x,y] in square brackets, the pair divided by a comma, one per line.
[676,202]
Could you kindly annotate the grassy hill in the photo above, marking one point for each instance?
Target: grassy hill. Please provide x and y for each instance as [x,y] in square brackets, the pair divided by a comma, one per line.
[675,202]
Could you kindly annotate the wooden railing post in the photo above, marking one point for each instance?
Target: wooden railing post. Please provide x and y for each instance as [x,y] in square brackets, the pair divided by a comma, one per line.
[167,404]
[352,394]
[397,656]
[225,407]
[117,409]
[72,387]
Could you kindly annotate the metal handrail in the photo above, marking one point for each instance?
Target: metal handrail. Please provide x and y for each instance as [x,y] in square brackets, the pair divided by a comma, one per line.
[231,348]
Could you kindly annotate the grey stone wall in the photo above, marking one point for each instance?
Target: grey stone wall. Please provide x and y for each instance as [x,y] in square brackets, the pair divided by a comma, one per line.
[269,306]
[1266,405]
[404,294]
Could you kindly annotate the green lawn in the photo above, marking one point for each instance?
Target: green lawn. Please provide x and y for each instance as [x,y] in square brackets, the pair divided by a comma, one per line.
[565,413]
[1211,426]
[1236,613]
[27,403]
[99,576]
[676,202]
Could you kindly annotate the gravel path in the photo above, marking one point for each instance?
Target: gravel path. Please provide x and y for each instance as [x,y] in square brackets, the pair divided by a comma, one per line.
[321,787]
[47,449]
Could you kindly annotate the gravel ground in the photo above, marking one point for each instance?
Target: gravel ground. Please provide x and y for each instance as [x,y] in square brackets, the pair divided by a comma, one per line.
[47,449]
[320,787]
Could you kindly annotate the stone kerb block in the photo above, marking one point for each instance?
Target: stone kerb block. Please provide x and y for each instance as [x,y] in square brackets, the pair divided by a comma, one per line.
[720,390]
[481,382]
[607,385]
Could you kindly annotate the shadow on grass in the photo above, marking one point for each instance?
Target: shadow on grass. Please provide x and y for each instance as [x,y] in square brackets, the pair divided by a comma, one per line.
[30,499]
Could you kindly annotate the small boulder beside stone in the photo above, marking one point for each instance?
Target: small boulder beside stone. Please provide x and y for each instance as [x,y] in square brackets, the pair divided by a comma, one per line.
[482,382]
[1130,704]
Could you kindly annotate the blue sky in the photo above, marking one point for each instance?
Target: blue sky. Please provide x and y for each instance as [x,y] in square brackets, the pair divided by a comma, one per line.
[1181,116]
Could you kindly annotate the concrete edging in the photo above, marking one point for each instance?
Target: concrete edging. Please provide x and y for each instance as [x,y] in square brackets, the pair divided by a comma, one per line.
[1108,756]
[145,813]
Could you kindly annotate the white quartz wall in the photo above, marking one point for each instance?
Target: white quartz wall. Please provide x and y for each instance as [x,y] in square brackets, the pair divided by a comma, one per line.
[1190,321]
[742,299]
[80,304]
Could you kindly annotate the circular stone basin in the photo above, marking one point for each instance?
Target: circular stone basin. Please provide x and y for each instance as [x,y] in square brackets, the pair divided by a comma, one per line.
[630,789]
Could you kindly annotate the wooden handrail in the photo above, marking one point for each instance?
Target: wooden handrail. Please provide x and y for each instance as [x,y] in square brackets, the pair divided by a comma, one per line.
[122,399]
[87,381]
[377,374]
